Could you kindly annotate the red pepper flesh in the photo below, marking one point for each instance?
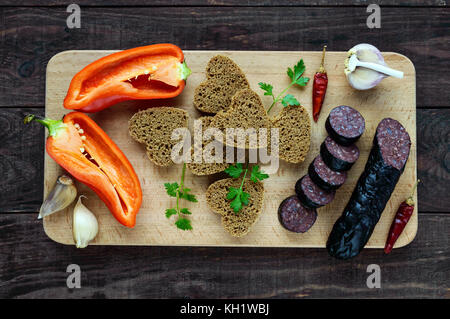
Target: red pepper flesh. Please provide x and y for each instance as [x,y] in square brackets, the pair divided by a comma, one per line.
[155,71]
[319,88]
[401,218]
[82,148]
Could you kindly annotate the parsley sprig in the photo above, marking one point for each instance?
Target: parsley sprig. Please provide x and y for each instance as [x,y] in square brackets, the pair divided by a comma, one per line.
[296,77]
[180,192]
[237,196]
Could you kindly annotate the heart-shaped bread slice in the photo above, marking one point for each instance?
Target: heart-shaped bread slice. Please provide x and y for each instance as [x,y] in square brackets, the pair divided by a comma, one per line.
[153,127]
[294,133]
[223,79]
[246,112]
[206,167]
[237,224]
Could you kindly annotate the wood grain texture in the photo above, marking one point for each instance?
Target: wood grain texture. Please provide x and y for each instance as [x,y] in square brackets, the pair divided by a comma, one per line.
[31,36]
[21,165]
[391,98]
[33,266]
[234,3]
[433,163]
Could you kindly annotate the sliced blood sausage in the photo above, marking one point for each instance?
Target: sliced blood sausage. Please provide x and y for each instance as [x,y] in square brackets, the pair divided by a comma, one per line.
[338,157]
[345,125]
[311,195]
[294,216]
[386,163]
[324,176]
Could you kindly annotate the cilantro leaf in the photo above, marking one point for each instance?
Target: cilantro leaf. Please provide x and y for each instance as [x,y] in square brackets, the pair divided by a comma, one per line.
[171,189]
[185,211]
[170,212]
[183,224]
[289,100]
[267,88]
[234,170]
[257,174]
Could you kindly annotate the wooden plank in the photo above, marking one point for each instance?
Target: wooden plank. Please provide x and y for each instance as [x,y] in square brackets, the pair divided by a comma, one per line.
[234,3]
[21,161]
[29,37]
[433,131]
[391,98]
[32,266]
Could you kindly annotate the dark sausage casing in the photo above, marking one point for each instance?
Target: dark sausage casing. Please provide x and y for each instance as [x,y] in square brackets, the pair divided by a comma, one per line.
[387,160]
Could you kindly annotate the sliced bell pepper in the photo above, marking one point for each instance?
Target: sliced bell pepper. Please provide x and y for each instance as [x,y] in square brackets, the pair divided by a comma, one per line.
[155,71]
[82,148]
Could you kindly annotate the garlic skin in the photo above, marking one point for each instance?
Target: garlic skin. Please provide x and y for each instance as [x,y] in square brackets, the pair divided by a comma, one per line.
[363,78]
[85,225]
[62,195]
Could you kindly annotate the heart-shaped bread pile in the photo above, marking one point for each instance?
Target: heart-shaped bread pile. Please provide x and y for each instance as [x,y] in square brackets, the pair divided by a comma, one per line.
[223,79]
[246,111]
[294,133]
[206,167]
[237,224]
[153,127]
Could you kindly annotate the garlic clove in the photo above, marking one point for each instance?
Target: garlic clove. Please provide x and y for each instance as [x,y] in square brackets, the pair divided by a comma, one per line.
[85,225]
[62,195]
[363,78]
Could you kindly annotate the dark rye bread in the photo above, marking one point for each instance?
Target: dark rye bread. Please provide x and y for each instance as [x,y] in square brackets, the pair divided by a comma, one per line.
[294,133]
[223,79]
[153,127]
[205,168]
[246,111]
[237,224]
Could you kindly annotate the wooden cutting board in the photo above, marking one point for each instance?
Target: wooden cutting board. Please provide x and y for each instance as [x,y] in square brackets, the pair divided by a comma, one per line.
[392,98]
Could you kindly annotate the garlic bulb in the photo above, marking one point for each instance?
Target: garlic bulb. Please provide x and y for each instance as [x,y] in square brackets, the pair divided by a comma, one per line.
[62,195]
[85,225]
[365,67]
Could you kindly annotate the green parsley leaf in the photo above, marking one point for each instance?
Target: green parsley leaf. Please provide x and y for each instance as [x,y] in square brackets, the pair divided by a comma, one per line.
[188,197]
[170,212]
[244,198]
[236,204]
[232,193]
[183,224]
[185,211]
[234,170]
[289,100]
[171,189]
[257,174]
[267,88]
[295,74]
[302,81]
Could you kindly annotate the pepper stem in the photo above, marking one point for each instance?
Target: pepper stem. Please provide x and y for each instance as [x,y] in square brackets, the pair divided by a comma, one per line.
[410,200]
[322,67]
[184,71]
[53,126]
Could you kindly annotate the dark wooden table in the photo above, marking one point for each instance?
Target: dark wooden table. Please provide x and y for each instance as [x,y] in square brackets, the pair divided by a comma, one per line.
[31,265]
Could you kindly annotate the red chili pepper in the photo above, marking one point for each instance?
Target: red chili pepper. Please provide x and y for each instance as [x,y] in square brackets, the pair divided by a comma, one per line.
[319,88]
[401,218]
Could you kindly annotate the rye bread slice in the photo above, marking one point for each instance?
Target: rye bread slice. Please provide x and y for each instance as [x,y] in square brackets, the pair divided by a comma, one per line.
[206,168]
[223,79]
[237,224]
[294,133]
[246,111]
[153,127]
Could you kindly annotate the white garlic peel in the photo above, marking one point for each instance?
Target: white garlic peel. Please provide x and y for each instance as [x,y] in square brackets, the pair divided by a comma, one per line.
[62,195]
[85,225]
[363,78]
